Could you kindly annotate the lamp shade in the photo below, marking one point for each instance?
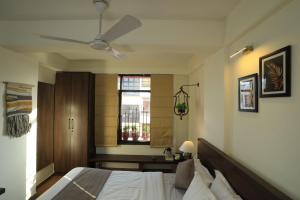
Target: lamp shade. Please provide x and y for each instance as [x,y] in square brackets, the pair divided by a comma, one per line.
[187,147]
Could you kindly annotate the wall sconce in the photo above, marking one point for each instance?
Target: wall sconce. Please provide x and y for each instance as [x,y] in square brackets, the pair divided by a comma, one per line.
[181,104]
[244,50]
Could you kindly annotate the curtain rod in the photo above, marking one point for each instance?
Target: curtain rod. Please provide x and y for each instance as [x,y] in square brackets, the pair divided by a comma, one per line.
[6,82]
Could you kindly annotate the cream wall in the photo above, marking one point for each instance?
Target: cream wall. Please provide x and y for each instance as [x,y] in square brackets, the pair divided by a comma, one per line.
[159,63]
[206,117]
[213,99]
[46,75]
[196,114]
[17,155]
[180,133]
[248,14]
[266,142]
[180,127]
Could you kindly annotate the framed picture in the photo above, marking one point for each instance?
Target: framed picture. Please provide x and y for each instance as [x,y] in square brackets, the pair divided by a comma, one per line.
[275,73]
[248,93]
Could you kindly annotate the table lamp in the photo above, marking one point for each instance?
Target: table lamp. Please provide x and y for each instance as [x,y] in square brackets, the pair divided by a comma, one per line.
[187,148]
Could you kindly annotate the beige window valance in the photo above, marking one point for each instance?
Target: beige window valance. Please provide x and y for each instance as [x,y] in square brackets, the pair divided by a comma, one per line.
[161,111]
[106,110]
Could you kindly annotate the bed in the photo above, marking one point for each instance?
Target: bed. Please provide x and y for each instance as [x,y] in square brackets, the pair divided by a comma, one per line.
[125,185]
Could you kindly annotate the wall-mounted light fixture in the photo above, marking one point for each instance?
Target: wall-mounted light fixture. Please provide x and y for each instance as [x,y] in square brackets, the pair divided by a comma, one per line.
[181,105]
[244,50]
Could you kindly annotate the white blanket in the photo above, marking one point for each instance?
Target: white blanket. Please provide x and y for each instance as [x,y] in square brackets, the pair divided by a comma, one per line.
[120,185]
[171,193]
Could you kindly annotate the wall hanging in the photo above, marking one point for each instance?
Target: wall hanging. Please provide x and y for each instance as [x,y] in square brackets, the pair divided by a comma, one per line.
[18,108]
[181,104]
[275,73]
[248,93]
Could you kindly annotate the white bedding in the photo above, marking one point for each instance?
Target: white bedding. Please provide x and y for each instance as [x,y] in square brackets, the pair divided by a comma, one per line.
[124,185]
[171,193]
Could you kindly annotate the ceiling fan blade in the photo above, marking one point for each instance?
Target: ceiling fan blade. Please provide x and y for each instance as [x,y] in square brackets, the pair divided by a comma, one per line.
[116,54]
[62,39]
[123,48]
[125,25]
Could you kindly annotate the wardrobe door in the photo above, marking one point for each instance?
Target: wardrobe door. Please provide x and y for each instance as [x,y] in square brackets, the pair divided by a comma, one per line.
[79,113]
[62,122]
[45,122]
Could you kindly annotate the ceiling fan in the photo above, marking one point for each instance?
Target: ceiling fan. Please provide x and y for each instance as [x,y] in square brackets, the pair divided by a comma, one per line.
[102,41]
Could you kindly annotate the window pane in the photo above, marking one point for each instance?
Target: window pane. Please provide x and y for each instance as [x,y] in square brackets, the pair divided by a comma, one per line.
[135,116]
[136,83]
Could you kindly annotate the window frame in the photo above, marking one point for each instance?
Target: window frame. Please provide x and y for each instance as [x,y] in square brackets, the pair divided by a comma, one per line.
[120,91]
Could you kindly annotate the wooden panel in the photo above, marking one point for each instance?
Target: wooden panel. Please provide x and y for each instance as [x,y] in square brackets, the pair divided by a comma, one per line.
[45,122]
[247,184]
[74,120]
[131,158]
[79,118]
[91,116]
[62,123]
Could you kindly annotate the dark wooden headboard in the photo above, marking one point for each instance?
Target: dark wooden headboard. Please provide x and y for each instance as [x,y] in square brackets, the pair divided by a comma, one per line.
[246,183]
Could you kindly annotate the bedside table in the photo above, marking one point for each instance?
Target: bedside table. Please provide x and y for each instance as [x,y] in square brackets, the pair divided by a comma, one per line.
[144,162]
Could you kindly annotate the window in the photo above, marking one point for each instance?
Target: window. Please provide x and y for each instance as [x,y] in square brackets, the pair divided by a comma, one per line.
[134,109]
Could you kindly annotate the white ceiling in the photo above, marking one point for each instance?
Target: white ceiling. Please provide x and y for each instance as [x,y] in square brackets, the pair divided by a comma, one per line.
[146,9]
[181,29]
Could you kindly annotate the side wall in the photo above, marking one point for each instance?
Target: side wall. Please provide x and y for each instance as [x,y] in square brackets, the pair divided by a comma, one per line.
[17,155]
[206,118]
[266,142]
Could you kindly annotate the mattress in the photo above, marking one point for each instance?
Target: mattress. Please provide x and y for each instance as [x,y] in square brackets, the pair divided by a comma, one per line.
[125,185]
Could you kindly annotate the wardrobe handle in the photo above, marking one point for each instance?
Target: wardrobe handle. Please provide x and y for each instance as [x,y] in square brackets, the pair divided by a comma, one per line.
[69,123]
[72,124]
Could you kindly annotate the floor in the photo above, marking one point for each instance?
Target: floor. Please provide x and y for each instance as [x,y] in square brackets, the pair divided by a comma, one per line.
[46,185]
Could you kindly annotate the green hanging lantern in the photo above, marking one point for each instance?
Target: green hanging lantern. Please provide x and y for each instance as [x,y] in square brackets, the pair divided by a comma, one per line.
[181,101]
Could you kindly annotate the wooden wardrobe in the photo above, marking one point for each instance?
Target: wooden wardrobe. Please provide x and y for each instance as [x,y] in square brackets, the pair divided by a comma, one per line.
[45,122]
[73,120]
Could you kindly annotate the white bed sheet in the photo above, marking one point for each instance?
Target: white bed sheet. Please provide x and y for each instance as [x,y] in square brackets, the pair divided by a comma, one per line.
[124,185]
[171,193]
[121,185]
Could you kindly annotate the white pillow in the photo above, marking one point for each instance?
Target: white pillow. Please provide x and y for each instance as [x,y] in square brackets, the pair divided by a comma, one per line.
[222,189]
[198,190]
[204,173]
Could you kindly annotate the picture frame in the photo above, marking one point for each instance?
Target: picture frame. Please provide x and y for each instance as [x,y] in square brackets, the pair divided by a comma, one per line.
[275,73]
[248,93]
